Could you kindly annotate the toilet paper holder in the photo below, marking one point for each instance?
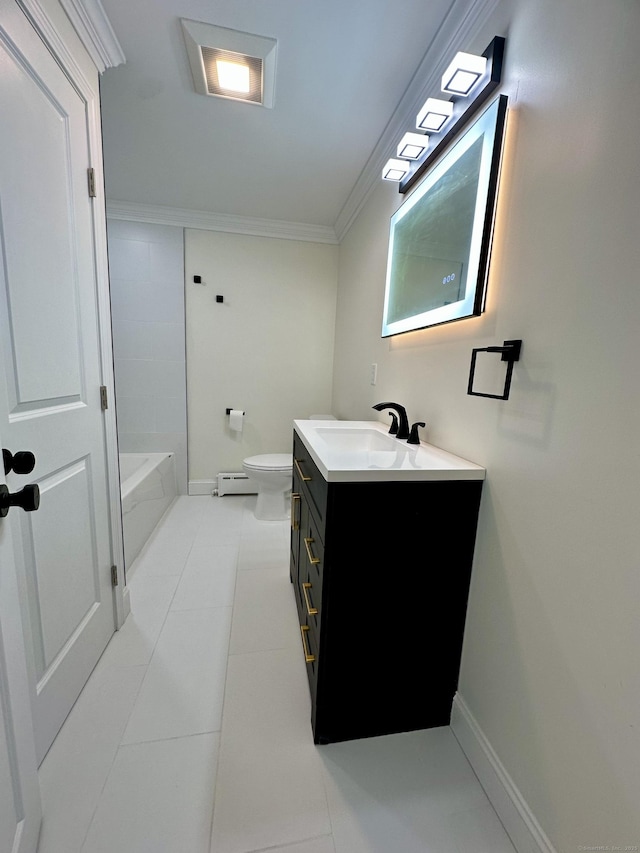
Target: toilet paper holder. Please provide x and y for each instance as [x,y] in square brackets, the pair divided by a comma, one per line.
[228,411]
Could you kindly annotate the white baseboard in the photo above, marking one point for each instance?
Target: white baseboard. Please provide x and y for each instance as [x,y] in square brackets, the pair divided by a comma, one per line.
[526,834]
[202,487]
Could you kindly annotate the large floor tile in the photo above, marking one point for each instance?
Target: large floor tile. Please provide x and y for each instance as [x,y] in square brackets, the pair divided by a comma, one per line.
[264,614]
[76,767]
[208,579]
[398,792]
[221,522]
[183,689]
[479,830]
[262,531]
[158,798]
[147,736]
[270,790]
[227,506]
[268,551]
[134,643]
[314,845]
[165,554]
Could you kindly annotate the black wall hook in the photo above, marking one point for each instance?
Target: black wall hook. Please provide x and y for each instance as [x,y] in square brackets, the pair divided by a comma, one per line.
[510,352]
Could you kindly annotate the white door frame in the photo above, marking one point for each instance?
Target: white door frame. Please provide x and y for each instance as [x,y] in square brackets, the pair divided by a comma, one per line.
[89,45]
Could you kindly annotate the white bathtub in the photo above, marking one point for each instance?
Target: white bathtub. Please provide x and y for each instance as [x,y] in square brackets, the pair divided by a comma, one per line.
[148,487]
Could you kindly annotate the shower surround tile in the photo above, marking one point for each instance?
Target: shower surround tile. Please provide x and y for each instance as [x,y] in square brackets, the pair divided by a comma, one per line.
[146,264]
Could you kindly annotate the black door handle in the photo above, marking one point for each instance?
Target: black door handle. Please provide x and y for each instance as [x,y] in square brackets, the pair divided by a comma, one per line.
[27,498]
[22,462]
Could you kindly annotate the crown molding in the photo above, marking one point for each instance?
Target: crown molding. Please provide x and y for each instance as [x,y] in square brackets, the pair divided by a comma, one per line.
[46,27]
[463,20]
[209,221]
[91,23]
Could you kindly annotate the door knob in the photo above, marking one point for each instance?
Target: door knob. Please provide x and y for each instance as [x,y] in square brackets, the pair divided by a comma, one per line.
[28,498]
[22,462]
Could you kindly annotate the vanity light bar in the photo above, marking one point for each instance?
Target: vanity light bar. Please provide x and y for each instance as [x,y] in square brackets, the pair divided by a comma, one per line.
[468,75]
[463,73]
[395,170]
[412,146]
[434,114]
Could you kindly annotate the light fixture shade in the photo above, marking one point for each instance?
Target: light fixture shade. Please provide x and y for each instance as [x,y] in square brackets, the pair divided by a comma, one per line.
[463,73]
[434,114]
[213,50]
[395,170]
[412,146]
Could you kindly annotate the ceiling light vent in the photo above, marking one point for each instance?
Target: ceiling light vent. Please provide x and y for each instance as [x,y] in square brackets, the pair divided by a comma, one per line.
[231,64]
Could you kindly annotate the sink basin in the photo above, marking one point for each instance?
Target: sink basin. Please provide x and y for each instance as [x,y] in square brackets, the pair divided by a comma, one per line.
[357,440]
[363,451]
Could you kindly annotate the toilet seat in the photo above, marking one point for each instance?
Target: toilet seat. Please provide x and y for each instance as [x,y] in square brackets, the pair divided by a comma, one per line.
[281,462]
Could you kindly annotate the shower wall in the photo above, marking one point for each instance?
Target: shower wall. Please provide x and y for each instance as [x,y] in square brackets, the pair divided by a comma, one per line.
[146,268]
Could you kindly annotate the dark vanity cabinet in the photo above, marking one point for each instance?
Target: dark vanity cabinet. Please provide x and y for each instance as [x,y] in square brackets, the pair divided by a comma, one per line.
[381,576]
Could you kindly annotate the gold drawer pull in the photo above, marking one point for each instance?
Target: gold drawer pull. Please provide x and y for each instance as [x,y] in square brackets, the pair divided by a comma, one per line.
[304,477]
[309,658]
[307,543]
[295,525]
[312,611]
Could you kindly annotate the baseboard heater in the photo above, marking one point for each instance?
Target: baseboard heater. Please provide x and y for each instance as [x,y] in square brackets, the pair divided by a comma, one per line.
[234,484]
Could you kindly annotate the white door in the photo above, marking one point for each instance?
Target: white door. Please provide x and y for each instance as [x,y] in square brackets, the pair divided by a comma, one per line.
[19,793]
[50,373]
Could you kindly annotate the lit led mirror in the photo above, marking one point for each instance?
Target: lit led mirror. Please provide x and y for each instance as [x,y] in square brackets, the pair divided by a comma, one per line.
[440,237]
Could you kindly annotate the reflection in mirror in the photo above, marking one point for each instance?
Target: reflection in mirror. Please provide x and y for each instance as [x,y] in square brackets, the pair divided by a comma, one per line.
[440,237]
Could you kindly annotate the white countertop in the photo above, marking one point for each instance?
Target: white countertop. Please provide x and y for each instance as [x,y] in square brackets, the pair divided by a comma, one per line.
[363,451]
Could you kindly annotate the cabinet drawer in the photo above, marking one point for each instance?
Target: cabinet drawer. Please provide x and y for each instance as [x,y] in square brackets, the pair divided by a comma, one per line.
[314,486]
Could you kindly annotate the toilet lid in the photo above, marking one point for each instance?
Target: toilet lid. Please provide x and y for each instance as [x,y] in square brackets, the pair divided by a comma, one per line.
[270,462]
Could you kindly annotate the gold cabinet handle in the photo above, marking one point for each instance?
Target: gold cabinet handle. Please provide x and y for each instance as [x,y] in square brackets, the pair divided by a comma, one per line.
[309,658]
[312,611]
[307,544]
[303,477]
[295,524]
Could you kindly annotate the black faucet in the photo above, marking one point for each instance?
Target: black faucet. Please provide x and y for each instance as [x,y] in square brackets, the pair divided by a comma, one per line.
[403,425]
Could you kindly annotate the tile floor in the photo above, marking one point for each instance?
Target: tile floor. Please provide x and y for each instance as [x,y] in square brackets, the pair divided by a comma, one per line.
[192,734]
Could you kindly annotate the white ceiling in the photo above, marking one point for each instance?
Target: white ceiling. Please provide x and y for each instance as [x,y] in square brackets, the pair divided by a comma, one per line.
[343,69]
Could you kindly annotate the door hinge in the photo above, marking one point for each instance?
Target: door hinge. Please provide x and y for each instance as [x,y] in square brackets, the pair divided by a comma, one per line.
[104,400]
[114,576]
[91,178]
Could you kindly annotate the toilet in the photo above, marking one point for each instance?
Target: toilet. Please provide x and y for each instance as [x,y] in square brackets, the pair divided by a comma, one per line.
[271,473]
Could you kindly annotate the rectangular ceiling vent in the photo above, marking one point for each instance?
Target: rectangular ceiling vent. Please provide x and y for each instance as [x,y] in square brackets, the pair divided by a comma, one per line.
[231,64]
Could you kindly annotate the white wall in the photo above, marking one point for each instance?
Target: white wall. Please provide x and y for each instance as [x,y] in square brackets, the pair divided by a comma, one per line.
[267,349]
[146,264]
[550,666]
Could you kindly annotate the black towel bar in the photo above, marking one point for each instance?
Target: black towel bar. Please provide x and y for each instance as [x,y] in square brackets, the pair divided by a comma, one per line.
[510,352]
